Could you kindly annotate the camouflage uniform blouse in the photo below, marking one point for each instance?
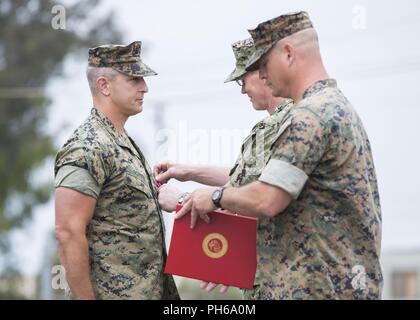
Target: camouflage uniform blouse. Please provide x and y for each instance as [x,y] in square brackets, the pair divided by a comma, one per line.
[326,243]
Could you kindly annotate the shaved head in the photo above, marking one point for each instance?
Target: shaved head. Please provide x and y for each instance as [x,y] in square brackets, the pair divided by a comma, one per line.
[305,42]
[93,73]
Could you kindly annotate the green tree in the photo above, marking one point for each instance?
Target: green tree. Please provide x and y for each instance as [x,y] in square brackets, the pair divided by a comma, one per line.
[31,53]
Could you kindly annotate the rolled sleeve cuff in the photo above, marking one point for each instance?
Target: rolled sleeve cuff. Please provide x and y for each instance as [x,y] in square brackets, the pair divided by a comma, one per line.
[284,175]
[78,179]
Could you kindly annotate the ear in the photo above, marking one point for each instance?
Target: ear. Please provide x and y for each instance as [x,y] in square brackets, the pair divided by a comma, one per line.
[102,86]
[290,52]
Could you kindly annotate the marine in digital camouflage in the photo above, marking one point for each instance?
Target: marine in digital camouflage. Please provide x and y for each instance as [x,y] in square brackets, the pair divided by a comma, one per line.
[125,59]
[126,234]
[326,244]
[242,50]
[257,147]
[267,33]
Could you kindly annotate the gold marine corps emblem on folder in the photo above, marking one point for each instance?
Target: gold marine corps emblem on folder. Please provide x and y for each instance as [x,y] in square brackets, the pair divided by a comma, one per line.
[215,245]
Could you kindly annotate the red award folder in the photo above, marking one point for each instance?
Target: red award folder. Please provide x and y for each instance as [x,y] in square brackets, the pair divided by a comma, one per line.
[223,252]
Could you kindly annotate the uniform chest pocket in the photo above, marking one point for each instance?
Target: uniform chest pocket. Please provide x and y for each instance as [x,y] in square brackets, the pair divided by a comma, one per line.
[253,154]
[130,188]
[132,176]
[248,148]
[139,182]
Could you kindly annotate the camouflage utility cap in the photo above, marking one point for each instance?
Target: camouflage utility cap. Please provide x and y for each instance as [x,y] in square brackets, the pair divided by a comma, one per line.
[267,33]
[125,59]
[243,50]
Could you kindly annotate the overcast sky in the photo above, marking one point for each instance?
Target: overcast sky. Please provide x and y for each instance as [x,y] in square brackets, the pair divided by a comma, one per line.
[376,64]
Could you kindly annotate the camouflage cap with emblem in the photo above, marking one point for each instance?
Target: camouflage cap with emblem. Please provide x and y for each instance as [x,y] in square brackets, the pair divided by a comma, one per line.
[243,50]
[124,59]
[267,33]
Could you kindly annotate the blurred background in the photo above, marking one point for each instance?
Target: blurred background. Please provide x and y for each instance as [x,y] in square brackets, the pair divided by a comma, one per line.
[190,115]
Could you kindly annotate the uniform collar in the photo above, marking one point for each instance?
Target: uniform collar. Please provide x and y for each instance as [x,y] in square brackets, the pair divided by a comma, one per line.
[283,105]
[121,139]
[319,86]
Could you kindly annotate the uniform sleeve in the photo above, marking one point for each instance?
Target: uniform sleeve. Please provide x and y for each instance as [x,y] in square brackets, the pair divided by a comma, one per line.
[92,159]
[77,179]
[296,153]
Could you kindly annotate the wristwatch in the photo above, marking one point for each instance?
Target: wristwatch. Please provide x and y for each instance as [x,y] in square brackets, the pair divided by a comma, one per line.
[217,196]
[182,197]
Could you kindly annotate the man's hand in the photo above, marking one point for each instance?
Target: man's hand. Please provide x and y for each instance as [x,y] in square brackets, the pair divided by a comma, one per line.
[168,197]
[199,203]
[165,171]
[209,286]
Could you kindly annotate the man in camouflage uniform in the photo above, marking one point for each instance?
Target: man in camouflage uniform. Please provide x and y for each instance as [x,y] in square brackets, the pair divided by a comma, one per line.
[108,221]
[257,146]
[319,228]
